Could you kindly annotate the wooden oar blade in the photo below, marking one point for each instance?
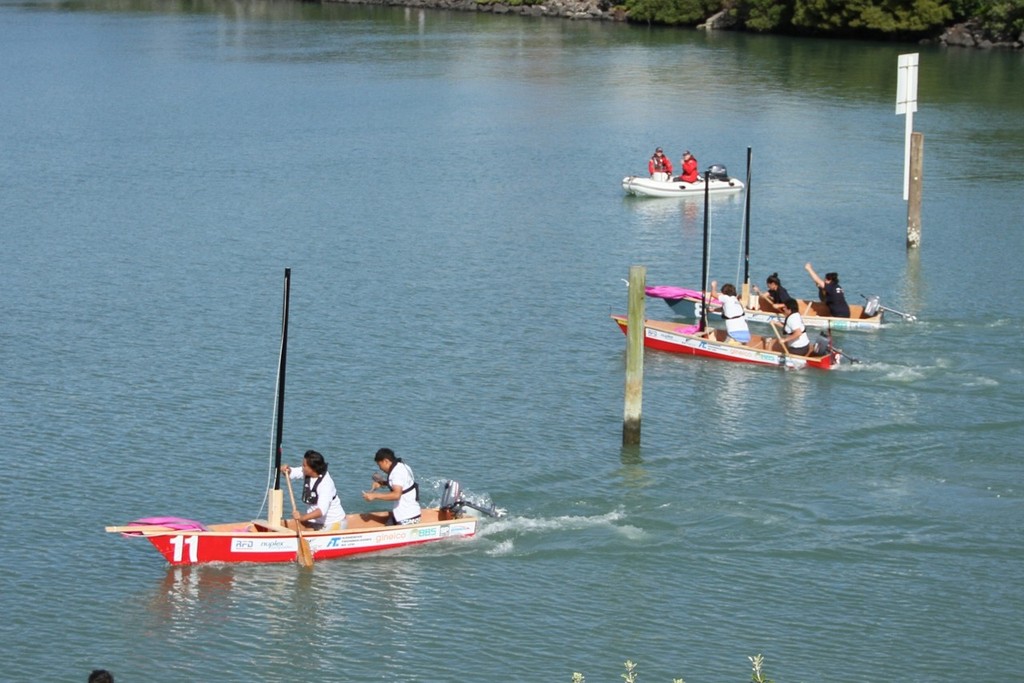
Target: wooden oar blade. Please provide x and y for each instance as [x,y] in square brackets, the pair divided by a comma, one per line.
[305,555]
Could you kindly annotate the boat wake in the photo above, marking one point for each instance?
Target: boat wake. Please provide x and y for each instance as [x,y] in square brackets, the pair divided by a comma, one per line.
[507,532]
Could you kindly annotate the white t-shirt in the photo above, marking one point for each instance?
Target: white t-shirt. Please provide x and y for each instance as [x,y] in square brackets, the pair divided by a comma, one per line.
[795,322]
[407,506]
[732,311]
[327,499]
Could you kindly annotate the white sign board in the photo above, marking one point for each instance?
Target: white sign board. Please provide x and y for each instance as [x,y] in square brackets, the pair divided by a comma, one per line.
[906,84]
[906,103]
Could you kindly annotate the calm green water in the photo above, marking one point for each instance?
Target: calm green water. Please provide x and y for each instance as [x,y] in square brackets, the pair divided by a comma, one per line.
[445,188]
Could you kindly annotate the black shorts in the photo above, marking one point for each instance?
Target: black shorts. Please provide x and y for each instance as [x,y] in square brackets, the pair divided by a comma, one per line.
[394,522]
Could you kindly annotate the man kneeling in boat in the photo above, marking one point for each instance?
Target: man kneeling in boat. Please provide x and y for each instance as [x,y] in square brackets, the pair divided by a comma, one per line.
[401,487]
[796,340]
[324,509]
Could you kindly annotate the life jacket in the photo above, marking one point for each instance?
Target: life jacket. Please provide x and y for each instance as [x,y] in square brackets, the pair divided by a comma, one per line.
[659,163]
[310,495]
[732,317]
[415,488]
[786,326]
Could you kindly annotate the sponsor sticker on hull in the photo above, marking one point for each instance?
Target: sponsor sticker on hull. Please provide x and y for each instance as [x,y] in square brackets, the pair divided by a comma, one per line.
[394,536]
[391,537]
[263,545]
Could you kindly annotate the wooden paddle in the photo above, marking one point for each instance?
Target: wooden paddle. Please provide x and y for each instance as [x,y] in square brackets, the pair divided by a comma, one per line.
[305,554]
[775,329]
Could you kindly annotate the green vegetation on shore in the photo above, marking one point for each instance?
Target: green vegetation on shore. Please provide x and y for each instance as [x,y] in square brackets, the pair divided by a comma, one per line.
[874,19]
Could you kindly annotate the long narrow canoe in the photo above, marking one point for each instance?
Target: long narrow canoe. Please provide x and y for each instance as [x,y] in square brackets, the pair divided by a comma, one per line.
[686,302]
[672,337]
[261,541]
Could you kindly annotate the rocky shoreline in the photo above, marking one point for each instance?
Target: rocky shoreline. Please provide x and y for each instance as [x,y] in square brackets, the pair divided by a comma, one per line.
[602,10]
[961,35]
[968,34]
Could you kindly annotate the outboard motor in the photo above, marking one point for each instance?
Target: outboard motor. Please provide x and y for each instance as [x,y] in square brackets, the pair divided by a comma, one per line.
[871,306]
[451,497]
[452,502]
[822,345]
[718,172]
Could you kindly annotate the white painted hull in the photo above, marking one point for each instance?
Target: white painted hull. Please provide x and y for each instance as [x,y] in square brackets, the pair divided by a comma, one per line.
[686,301]
[645,187]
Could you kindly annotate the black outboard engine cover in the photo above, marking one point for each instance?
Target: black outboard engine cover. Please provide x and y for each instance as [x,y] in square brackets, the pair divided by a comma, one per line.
[718,172]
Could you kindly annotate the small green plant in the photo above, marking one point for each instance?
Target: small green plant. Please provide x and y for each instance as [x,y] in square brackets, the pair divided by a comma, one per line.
[757,663]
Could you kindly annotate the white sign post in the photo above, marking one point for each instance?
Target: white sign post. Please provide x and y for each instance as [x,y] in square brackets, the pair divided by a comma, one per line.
[906,103]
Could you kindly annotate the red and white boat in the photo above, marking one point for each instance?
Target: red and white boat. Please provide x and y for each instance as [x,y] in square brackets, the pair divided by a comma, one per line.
[185,542]
[666,335]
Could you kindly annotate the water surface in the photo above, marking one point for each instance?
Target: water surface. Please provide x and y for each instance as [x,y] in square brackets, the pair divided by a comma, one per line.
[445,187]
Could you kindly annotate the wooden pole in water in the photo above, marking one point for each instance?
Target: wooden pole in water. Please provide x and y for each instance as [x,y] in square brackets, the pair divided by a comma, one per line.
[914,191]
[634,357]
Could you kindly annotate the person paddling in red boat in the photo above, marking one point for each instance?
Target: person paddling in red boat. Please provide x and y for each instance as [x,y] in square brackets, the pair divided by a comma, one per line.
[659,166]
[324,510]
[795,339]
[688,167]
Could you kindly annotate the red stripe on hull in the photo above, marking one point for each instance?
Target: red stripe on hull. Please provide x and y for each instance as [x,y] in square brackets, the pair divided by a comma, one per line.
[187,548]
[702,349]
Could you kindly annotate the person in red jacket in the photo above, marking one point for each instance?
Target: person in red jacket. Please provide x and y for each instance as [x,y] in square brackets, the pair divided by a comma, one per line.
[659,166]
[688,168]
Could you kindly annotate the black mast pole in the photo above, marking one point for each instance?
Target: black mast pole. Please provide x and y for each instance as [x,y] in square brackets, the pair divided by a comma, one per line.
[279,415]
[705,299]
[746,234]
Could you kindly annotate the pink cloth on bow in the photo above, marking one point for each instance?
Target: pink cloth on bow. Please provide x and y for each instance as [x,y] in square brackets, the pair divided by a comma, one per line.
[179,523]
[670,292]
